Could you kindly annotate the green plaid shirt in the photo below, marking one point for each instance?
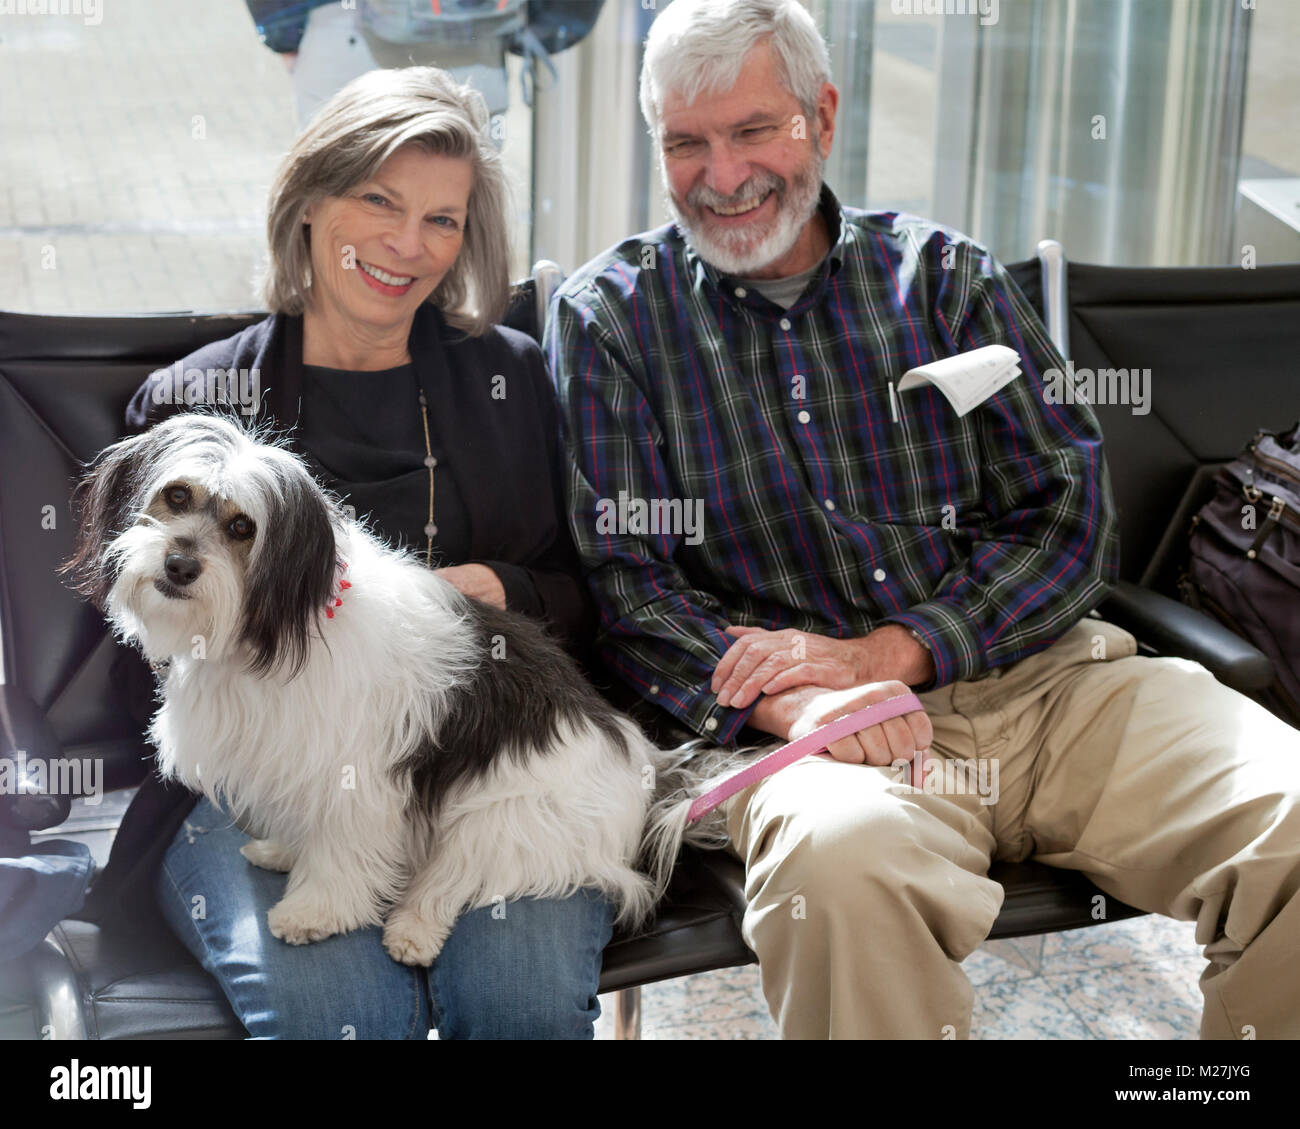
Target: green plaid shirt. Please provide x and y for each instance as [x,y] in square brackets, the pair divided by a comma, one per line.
[683,395]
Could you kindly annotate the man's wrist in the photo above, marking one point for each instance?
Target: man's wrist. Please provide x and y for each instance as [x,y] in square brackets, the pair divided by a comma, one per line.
[894,651]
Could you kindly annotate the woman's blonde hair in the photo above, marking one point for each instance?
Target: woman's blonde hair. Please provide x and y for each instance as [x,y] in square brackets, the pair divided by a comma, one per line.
[354,133]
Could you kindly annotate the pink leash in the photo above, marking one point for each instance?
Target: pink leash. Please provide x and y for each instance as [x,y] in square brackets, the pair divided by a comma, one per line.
[814,742]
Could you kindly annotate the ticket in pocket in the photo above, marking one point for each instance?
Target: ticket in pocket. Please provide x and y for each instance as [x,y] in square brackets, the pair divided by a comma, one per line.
[967,379]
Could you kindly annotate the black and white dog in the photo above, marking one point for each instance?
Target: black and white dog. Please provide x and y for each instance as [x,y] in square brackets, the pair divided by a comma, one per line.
[404,752]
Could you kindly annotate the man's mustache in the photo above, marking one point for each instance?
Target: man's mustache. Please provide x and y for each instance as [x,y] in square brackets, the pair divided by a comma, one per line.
[704,196]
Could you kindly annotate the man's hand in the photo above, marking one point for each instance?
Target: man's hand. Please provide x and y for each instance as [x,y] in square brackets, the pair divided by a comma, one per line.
[793,713]
[770,662]
[476,580]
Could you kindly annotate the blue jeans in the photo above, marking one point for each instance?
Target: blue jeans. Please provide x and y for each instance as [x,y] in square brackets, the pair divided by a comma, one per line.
[526,969]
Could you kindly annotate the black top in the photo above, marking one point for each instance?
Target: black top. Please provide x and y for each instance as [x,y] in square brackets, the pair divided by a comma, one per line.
[365,432]
[492,418]
[492,407]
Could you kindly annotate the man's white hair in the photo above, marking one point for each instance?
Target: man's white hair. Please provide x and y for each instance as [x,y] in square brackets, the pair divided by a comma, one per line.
[699,46]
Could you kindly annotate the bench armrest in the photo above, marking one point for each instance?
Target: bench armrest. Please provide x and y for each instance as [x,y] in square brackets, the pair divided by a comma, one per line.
[1174,629]
[23,730]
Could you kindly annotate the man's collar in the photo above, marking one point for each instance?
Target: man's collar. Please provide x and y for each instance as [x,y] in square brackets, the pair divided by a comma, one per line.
[829,208]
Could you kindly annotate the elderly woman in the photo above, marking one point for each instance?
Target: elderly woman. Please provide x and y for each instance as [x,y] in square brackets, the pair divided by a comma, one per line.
[388,268]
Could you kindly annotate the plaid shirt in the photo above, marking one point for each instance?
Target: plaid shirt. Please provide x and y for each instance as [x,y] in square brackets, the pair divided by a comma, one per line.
[988,535]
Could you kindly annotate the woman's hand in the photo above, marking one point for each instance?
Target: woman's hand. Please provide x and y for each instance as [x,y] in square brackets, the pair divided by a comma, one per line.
[477,581]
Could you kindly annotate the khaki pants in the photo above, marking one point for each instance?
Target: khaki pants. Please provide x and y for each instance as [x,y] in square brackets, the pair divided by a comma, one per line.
[1168,790]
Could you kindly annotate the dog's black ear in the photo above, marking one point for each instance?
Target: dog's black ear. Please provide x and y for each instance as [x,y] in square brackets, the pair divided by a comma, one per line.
[104,503]
[291,575]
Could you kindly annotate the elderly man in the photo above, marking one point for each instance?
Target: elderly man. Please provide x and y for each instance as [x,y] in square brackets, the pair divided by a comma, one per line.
[741,364]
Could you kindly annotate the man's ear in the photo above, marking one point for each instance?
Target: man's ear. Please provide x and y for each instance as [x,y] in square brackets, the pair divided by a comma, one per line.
[828,101]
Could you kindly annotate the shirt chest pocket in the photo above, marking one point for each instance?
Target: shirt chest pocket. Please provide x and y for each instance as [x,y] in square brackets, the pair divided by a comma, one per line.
[922,470]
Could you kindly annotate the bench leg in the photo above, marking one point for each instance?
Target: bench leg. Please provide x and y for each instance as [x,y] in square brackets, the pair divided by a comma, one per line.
[627,1013]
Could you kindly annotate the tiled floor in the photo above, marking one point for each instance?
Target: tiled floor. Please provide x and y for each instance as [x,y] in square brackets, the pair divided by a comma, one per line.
[1134,979]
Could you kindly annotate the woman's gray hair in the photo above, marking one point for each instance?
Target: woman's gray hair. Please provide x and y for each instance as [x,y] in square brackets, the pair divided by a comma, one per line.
[354,133]
[699,46]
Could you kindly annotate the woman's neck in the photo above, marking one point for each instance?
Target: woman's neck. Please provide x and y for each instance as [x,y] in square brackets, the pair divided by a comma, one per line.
[327,343]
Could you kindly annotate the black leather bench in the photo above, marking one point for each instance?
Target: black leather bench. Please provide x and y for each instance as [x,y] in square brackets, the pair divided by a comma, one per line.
[64,382]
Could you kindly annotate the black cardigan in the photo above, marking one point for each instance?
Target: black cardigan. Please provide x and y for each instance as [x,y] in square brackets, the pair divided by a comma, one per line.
[507,456]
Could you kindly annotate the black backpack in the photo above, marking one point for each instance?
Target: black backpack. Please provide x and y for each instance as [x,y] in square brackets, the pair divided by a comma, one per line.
[1243,564]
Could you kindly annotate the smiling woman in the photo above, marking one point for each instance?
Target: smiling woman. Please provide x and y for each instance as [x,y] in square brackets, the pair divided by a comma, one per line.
[398,170]
[387,269]
[378,253]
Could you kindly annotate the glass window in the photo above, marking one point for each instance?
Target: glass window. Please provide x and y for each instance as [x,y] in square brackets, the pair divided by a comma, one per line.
[138,141]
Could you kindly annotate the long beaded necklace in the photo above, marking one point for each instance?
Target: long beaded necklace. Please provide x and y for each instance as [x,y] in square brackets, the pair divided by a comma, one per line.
[430,530]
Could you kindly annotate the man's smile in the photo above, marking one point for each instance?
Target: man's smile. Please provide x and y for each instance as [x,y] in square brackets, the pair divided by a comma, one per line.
[736,215]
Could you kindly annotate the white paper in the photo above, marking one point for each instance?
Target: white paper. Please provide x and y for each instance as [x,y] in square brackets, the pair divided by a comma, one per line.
[967,379]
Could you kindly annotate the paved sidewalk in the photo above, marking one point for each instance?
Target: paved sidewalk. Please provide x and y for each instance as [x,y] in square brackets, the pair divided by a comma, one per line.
[135,156]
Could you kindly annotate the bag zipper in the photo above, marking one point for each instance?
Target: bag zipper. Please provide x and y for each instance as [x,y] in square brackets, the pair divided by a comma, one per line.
[1278,508]
[1285,471]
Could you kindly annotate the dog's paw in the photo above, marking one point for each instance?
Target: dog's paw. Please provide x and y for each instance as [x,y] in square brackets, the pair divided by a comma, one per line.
[411,940]
[268,854]
[301,923]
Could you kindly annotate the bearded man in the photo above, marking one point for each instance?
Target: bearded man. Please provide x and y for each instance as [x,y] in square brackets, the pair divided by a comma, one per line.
[857,542]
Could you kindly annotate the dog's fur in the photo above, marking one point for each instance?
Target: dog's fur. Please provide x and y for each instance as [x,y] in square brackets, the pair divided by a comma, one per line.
[412,755]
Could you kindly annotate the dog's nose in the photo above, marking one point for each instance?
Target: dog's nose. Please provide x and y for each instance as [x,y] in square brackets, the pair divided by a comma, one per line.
[182,570]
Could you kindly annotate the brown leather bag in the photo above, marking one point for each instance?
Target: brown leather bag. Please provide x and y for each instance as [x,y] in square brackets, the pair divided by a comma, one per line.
[1244,558]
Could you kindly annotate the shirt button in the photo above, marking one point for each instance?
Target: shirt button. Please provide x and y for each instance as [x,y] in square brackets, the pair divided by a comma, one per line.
[654,689]
[711,724]
[430,530]
[430,461]
[785,323]
[803,417]
[879,574]
[830,504]
[741,291]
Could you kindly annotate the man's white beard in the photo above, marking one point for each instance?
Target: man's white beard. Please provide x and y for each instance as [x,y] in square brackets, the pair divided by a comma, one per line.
[735,252]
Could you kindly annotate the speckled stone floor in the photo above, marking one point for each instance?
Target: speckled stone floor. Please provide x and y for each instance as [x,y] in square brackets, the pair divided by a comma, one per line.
[1134,979]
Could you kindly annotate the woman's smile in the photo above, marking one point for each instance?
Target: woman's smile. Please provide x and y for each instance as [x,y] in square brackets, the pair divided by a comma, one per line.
[384,281]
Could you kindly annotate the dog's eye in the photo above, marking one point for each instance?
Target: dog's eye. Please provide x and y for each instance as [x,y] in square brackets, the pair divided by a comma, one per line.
[176,496]
[241,527]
